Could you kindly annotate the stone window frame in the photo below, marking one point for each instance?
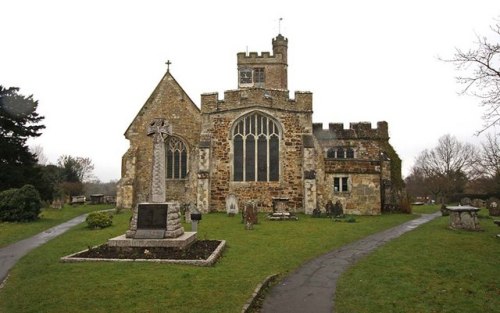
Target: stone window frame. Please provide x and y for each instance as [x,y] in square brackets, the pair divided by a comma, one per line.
[279,134]
[344,181]
[259,76]
[347,153]
[245,81]
[179,145]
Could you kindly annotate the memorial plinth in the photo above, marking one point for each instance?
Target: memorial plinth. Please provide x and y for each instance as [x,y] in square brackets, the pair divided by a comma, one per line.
[464,217]
[156,223]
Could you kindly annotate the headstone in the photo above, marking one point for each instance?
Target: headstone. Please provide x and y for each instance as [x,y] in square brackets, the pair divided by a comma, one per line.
[329,208]
[56,204]
[316,213]
[250,215]
[494,209]
[465,201]
[231,205]
[444,210]
[337,210]
[187,212]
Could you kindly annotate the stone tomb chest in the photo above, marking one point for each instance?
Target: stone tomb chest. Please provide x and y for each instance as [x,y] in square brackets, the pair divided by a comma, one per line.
[463,217]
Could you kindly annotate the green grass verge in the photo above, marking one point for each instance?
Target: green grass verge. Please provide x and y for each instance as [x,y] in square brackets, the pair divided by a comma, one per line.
[40,283]
[425,209]
[12,232]
[430,269]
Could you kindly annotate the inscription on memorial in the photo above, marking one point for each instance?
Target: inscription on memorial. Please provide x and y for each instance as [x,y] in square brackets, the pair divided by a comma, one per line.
[152,216]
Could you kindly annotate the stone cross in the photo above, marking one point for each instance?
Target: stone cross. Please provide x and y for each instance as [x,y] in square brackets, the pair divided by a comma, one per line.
[168,65]
[160,130]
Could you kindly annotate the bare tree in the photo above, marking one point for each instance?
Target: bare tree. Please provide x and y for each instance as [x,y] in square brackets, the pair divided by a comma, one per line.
[490,156]
[449,156]
[37,150]
[482,75]
[76,169]
[447,167]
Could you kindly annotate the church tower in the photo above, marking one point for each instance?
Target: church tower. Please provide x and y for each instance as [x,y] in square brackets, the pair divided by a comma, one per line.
[265,70]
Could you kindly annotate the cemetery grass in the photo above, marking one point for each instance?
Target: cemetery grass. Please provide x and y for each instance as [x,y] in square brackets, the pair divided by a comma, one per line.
[40,283]
[430,269]
[12,232]
[425,209]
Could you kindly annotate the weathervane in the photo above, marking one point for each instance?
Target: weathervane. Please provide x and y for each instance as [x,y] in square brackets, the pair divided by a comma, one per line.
[279,25]
[168,65]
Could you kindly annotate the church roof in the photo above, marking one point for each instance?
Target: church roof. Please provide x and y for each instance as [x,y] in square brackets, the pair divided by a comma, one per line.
[160,92]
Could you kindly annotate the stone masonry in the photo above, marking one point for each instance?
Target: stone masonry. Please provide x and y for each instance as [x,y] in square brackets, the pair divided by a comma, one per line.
[355,165]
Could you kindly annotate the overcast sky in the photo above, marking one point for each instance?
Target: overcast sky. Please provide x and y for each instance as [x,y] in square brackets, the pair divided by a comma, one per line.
[92,64]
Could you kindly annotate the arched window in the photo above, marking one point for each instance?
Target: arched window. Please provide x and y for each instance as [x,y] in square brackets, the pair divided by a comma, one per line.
[350,153]
[176,158]
[340,153]
[256,146]
[330,153]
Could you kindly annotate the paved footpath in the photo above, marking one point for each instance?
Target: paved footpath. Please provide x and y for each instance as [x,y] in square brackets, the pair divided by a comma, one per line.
[311,288]
[10,254]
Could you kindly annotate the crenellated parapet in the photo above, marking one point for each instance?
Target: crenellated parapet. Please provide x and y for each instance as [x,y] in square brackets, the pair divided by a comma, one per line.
[254,58]
[361,130]
[256,97]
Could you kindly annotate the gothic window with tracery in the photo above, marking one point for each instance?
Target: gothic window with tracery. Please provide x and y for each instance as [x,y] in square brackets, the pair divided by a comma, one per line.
[176,158]
[256,146]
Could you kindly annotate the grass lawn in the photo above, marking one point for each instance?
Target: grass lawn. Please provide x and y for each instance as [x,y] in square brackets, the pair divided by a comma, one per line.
[430,269]
[39,283]
[425,209]
[12,232]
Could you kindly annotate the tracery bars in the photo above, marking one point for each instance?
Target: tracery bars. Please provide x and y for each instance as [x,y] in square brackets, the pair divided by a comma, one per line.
[176,158]
[256,149]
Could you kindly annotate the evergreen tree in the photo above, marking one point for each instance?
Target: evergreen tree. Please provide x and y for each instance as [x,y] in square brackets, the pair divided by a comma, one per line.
[18,122]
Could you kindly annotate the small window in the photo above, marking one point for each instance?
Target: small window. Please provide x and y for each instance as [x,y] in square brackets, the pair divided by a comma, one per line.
[259,77]
[245,76]
[350,153]
[340,153]
[340,184]
[330,153]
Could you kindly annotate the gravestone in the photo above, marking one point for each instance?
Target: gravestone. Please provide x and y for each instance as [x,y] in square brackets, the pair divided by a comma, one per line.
[191,207]
[250,215]
[337,210]
[329,208]
[56,204]
[465,201]
[231,205]
[493,208]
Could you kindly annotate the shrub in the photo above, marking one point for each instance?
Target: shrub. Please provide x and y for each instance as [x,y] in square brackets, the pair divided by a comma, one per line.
[405,204]
[99,220]
[20,205]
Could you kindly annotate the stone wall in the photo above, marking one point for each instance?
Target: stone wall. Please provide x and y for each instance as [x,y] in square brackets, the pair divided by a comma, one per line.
[168,101]
[293,116]
[369,172]
[362,199]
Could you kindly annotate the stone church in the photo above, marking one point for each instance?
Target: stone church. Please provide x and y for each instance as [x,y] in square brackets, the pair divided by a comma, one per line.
[257,143]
